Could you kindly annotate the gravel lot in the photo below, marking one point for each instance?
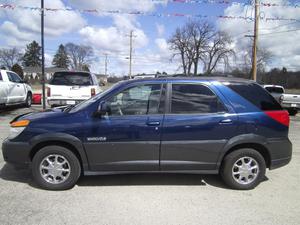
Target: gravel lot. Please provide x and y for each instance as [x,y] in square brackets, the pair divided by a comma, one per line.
[150,199]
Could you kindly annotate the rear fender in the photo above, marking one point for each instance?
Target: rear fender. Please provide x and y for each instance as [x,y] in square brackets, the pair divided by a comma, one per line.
[239,140]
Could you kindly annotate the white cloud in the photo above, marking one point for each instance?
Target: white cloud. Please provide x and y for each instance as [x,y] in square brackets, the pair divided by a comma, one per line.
[48,59]
[137,5]
[21,26]
[160,29]
[115,38]
[12,35]
[284,46]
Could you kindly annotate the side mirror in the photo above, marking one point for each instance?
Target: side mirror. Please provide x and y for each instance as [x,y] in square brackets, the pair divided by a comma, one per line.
[102,109]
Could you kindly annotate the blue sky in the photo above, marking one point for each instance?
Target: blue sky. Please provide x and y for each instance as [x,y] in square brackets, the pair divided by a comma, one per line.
[107,33]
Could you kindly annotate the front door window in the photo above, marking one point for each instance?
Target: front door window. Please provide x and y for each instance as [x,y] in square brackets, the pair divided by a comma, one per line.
[138,100]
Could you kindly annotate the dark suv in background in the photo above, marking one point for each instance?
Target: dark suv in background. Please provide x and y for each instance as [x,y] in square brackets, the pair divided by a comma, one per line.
[167,125]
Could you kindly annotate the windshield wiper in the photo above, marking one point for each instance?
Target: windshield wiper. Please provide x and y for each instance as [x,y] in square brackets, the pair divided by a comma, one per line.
[68,108]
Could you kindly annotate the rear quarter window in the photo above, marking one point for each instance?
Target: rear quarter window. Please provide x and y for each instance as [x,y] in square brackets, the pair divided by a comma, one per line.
[255,94]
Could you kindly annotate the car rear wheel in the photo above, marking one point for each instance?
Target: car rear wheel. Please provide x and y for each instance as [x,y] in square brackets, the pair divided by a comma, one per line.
[28,101]
[55,168]
[243,169]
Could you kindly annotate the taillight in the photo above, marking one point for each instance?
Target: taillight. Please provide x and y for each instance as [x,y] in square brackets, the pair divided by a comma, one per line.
[93,91]
[48,92]
[281,98]
[281,116]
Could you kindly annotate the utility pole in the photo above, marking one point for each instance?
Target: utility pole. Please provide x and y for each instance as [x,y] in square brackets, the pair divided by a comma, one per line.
[43,54]
[105,64]
[254,54]
[130,54]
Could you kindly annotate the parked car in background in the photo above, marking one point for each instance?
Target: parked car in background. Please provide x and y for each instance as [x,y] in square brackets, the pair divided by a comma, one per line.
[70,88]
[291,102]
[276,91]
[167,125]
[13,90]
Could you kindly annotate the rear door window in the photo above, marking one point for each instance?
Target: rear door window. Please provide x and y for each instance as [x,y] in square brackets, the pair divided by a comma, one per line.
[72,79]
[194,99]
[276,90]
[255,94]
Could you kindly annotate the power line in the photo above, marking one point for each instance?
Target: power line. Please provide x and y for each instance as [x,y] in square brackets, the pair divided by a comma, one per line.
[280,32]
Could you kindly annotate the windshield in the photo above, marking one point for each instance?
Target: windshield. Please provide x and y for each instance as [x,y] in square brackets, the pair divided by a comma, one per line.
[71,79]
[277,90]
[90,101]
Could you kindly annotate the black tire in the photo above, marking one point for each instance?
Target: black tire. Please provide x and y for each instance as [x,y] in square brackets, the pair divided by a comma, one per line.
[73,164]
[28,101]
[227,169]
[292,112]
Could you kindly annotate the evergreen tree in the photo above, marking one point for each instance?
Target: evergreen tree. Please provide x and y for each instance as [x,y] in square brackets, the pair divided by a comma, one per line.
[86,68]
[32,56]
[61,58]
[18,70]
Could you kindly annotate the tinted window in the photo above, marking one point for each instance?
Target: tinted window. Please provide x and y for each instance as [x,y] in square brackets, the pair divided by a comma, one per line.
[256,94]
[138,100]
[277,90]
[0,76]
[14,77]
[191,98]
[72,78]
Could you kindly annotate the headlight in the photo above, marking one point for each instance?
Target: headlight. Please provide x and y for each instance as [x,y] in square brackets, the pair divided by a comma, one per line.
[17,128]
[15,131]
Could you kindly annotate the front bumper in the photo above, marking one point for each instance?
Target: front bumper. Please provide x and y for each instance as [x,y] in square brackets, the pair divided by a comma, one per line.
[280,150]
[16,152]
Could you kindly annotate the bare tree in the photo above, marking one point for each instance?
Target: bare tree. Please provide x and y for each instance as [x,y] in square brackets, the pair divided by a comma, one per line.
[264,56]
[218,50]
[80,55]
[9,57]
[179,43]
[200,34]
[198,41]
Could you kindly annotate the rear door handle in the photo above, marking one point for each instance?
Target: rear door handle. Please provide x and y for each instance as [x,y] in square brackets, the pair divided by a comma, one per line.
[226,121]
[153,123]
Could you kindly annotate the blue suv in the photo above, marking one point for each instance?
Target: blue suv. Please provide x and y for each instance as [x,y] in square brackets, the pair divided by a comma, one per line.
[167,125]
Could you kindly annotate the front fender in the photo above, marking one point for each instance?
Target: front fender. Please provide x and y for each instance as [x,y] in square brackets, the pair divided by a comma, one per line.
[64,138]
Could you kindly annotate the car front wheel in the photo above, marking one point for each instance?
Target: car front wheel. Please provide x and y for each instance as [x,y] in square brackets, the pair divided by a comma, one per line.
[243,169]
[55,168]
[28,101]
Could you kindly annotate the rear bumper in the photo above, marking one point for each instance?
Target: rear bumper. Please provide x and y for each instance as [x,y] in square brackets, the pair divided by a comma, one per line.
[288,105]
[280,150]
[16,152]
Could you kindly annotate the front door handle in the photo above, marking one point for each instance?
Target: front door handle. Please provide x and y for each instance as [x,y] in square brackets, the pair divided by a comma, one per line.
[226,121]
[153,123]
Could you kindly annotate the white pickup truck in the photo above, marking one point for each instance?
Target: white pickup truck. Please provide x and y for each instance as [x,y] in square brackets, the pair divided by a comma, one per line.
[291,102]
[13,90]
[70,88]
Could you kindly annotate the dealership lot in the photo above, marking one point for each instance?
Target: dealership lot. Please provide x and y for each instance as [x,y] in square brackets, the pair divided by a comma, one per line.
[150,199]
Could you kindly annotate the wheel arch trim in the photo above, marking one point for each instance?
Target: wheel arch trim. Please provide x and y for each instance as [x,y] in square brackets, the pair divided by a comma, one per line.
[256,142]
[61,139]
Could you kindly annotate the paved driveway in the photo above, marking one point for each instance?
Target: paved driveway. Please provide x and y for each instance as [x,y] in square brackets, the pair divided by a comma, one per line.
[151,199]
